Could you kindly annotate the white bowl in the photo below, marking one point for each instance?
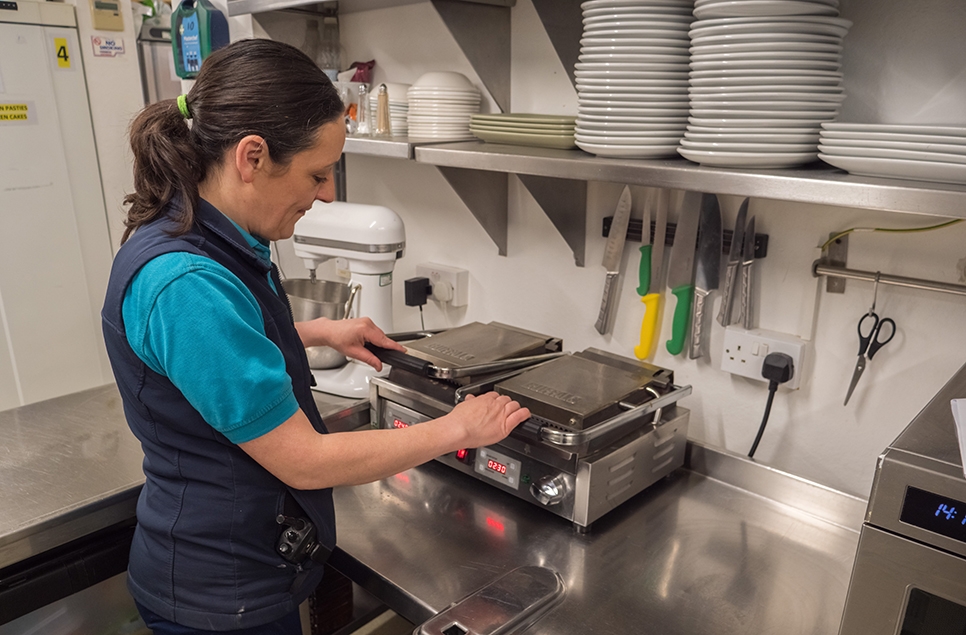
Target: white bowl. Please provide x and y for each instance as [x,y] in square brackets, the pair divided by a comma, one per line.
[444,79]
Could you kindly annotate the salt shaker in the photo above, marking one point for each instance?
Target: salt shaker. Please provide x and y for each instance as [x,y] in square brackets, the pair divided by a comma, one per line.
[362,112]
[383,127]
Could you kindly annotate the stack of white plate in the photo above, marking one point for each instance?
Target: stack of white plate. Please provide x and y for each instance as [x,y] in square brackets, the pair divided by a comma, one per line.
[440,106]
[763,83]
[919,153]
[632,77]
[547,131]
[398,107]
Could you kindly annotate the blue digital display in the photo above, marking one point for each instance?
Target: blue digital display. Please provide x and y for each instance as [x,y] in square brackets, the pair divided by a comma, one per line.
[939,514]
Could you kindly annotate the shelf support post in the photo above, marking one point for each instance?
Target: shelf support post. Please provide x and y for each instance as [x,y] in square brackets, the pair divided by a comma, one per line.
[564,201]
[485,194]
[483,33]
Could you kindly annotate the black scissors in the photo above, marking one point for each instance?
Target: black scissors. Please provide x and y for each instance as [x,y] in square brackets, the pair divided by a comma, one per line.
[869,344]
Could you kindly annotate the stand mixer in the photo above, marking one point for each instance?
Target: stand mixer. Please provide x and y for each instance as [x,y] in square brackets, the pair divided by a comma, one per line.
[367,240]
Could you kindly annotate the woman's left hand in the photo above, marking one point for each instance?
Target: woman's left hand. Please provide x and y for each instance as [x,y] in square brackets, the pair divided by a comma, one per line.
[349,337]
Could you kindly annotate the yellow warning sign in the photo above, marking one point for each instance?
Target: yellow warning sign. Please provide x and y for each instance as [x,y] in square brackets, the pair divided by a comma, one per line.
[61,52]
[14,112]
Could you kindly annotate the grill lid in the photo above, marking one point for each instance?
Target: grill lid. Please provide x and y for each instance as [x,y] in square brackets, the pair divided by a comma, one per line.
[580,390]
[478,343]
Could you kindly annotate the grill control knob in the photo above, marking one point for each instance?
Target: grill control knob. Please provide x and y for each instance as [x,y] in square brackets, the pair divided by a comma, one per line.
[549,490]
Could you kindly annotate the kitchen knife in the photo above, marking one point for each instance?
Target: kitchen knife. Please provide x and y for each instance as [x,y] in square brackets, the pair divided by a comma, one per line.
[707,268]
[612,258]
[644,271]
[681,268]
[657,205]
[747,260]
[734,259]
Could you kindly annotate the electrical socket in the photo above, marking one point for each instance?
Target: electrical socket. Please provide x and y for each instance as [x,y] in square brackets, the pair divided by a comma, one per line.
[451,285]
[744,353]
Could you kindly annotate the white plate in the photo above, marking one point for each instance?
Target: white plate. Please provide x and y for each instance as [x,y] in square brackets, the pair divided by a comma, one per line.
[609,4]
[740,8]
[620,85]
[748,159]
[701,3]
[664,42]
[767,55]
[628,152]
[608,13]
[752,74]
[777,105]
[763,64]
[729,146]
[799,116]
[628,92]
[951,131]
[646,31]
[671,78]
[712,88]
[750,122]
[891,137]
[678,96]
[755,130]
[605,139]
[680,107]
[755,37]
[675,62]
[584,118]
[747,137]
[659,53]
[783,47]
[803,101]
[772,29]
[617,130]
[891,153]
[633,112]
[932,171]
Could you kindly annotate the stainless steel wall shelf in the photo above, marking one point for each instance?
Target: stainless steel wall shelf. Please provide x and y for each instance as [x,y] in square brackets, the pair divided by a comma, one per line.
[816,184]
[244,7]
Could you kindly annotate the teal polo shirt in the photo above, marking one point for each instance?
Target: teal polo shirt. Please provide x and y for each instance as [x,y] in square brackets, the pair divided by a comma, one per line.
[193,321]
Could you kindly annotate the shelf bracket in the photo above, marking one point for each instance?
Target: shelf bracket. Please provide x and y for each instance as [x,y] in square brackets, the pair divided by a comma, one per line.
[483,33]
[836,255]
[562,20]
[564,201]
[485,194]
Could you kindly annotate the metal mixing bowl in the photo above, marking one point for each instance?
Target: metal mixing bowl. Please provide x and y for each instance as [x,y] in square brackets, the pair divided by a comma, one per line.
[311,299]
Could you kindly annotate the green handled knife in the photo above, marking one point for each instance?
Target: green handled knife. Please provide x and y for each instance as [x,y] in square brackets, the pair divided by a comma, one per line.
[681,269]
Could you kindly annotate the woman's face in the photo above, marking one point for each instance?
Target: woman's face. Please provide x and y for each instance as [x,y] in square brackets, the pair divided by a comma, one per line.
[286,193]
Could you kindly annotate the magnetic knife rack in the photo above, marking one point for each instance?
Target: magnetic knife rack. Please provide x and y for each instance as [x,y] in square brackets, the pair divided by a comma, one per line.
[635,229]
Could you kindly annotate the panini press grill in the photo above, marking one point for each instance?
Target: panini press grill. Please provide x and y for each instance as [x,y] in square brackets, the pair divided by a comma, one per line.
[602,427]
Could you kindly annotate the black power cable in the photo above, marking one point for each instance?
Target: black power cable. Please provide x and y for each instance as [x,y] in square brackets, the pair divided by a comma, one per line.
[777,369]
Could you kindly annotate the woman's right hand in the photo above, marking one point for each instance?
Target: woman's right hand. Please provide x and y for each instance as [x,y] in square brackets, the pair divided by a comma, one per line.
[487,418]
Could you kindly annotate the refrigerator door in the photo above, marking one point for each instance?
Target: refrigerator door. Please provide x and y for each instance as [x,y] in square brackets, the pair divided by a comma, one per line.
[54,248]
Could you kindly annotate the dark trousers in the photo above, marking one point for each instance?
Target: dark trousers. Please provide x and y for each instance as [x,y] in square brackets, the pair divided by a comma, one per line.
[288,625]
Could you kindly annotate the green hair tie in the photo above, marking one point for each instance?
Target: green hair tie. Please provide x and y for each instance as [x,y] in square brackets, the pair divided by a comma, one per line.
[183,106]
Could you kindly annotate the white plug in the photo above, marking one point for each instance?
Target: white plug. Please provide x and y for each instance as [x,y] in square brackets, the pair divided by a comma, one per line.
[442,291]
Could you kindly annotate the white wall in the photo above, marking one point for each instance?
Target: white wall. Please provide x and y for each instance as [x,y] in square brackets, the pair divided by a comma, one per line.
[537,285]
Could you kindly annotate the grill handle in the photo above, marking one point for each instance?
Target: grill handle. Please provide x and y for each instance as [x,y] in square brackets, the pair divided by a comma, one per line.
[400,360]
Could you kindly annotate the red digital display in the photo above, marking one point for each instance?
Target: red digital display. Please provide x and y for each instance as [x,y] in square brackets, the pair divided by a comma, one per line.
[499,468]
[396,423]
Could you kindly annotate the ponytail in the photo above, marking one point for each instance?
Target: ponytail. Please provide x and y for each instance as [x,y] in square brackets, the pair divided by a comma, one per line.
[250,87]
[166,168]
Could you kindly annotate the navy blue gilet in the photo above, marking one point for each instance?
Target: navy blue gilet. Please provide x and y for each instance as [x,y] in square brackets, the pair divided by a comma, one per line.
[204,549]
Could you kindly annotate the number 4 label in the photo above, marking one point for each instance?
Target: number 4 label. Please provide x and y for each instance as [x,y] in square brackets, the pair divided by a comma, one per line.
[62,52]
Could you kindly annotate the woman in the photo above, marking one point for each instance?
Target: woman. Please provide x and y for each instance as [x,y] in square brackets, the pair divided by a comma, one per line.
[210,366]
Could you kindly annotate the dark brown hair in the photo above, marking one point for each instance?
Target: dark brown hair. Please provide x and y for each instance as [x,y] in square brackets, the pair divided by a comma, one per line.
[259,87]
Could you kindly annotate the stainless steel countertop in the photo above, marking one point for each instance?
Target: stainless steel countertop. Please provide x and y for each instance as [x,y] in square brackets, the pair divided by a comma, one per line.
[71,466]
[725,546]
[692,554]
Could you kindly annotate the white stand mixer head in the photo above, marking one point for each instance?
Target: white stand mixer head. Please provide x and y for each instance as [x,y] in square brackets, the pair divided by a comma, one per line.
[370,238]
